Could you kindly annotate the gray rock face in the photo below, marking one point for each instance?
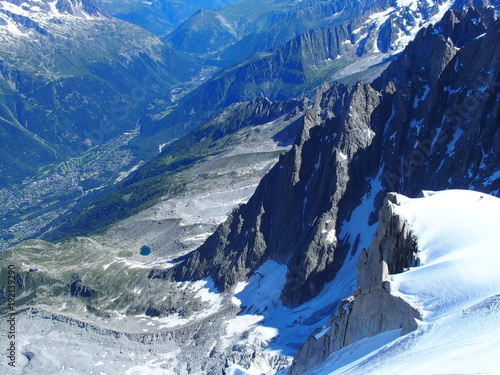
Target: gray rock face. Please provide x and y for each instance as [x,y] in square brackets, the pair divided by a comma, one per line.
[446,97]
[262,228]
[412,129]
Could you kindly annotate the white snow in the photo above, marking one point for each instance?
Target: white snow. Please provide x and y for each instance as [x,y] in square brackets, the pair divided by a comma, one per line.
[280,329]
[148,370]
[407,3]
[36,13]
[204,290]
[357,225]
[421,98]
[238,370]
[241,323]
[380,17]
[456,136]
[454,288]
[135,264]
[459,238]
[12,28]
[494,177]
[320,334]
[263,289]
[330,235]
[348,358]
[443,8]
[197,238]
[54,9]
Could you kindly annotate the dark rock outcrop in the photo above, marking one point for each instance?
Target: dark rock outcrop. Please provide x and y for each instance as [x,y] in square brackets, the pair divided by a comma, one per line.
[78,289]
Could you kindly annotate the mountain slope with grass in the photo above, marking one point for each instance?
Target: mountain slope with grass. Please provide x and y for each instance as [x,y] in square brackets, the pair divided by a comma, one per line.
[72,78]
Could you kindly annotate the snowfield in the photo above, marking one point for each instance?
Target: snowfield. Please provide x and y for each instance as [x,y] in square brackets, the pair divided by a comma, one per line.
[456,288]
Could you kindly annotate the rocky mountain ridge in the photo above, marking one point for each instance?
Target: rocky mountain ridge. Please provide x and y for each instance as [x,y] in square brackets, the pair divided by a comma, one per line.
[361,143]
[357,47]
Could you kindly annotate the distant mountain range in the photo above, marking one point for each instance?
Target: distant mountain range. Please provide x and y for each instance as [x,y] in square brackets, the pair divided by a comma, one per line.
[354,43]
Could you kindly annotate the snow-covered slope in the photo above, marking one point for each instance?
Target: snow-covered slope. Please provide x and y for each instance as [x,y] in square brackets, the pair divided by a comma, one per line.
[28,17]
[40,10]
[456,288]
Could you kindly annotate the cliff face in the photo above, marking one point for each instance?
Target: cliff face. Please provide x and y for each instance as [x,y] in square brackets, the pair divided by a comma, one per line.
[443,122]
[426,123]
[281,219]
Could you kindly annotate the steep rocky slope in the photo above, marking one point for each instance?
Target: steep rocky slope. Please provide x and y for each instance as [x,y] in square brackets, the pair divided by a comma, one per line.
[412,129]
[73,78]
